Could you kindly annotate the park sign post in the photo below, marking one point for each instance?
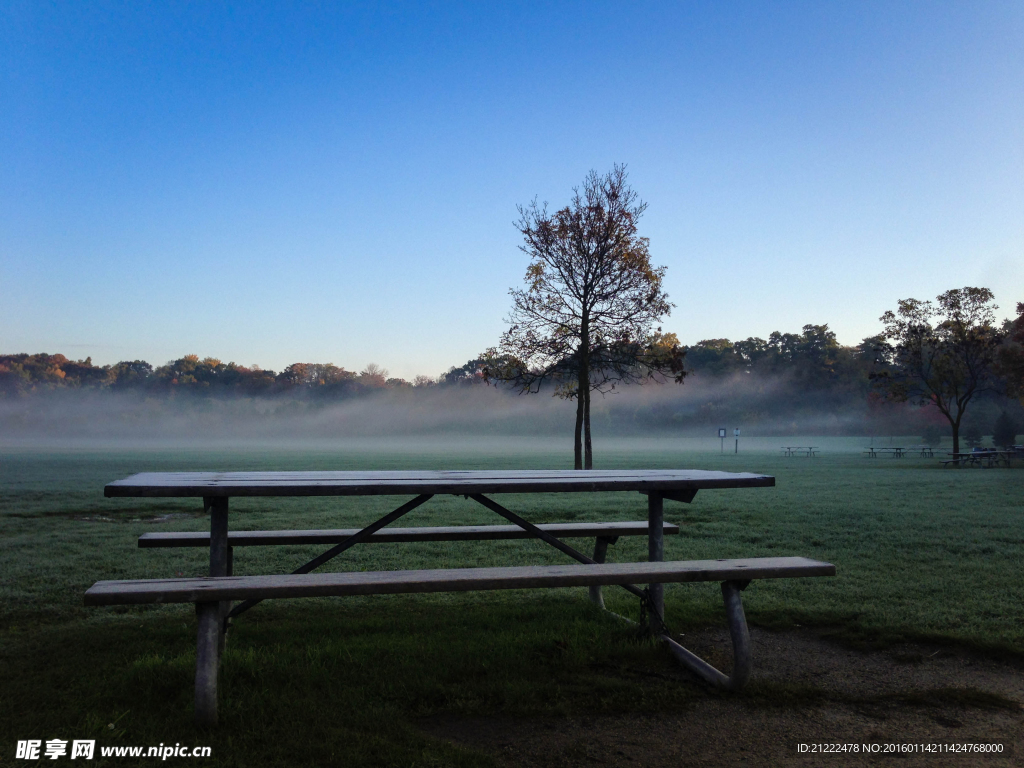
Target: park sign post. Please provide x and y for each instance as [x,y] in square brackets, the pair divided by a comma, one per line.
[721,434]
[736,434]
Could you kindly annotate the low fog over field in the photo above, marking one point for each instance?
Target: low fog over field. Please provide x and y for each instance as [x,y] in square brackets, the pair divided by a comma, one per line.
[760,406]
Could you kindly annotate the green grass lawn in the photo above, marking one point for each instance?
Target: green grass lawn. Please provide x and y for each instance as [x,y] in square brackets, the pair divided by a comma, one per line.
[922,553]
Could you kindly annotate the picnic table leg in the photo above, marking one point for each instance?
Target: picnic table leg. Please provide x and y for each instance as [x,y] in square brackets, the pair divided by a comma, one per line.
[207,657]
[600,553]
[226,606]
[210,635]
[219,551]
[741,663]
[655,554]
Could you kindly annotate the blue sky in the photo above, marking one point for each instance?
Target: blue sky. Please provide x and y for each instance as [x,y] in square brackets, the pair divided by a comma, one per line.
[324,182]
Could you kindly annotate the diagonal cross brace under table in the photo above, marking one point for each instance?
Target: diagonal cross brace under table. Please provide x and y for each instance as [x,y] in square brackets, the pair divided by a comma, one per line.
[492,505]
[555,542]
[351,541]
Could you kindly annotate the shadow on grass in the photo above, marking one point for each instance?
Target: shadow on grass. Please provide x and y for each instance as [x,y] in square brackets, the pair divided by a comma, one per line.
[332,682]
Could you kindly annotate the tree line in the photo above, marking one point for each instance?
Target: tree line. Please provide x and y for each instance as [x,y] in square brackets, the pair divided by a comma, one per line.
[24,374]
[812,357]
[811,361]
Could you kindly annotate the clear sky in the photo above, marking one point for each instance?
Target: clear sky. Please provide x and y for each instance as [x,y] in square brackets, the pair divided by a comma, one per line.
[334,182]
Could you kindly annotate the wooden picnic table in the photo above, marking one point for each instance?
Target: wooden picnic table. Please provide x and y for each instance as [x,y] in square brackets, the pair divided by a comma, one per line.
[800,450]
[896,452]
[215,488]
[212,596]
[985,458]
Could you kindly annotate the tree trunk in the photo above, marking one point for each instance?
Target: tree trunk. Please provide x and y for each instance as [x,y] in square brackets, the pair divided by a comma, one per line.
[955,424]
[577,446]
[583,394]
[587,447]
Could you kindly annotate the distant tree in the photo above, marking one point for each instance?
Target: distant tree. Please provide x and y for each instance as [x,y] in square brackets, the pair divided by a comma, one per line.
[129,374]
[82,373]
[14,379]
[295,375]
[1004,431]
[1011,355]
[254,380]
[585,320]
[373,376]
[209,376]
[751,351]
[713,357]
[941,354]
[812,358]
[178,373]
[872,350]
[317,379]
[424,381]
[472,372]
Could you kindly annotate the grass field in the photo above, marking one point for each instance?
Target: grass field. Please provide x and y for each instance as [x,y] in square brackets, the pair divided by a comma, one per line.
[923,553]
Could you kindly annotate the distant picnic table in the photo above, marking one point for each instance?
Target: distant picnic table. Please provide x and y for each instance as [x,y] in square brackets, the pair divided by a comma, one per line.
[895,452]
[800,450]
[986,458]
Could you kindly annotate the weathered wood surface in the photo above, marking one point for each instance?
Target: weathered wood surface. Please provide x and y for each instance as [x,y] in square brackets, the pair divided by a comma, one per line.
[449,580]
[458,482]
[208,640]
[399,535]
[655,554]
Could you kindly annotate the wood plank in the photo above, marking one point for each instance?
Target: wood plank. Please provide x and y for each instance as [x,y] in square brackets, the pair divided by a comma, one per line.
[448,580]
[655,554]
[165,484]
[208,638]
[398,535]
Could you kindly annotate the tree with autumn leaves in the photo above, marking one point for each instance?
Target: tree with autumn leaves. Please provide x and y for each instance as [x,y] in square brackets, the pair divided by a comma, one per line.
[942,354]
[586,319]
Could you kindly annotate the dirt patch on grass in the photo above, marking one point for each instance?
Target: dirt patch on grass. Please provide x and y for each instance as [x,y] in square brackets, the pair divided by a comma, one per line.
[804,690]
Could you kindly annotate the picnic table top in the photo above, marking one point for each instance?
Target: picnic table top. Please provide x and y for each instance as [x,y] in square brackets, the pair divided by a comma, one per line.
[458,482]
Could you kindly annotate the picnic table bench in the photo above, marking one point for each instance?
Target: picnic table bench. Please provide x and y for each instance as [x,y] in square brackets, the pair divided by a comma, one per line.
[605,534]
[213,595]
